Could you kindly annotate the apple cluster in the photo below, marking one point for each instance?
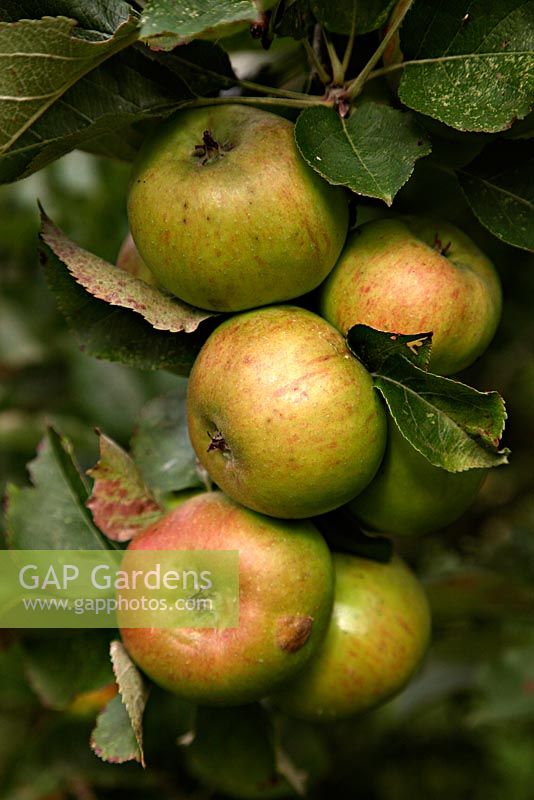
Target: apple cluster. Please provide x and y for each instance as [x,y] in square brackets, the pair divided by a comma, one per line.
[226,215]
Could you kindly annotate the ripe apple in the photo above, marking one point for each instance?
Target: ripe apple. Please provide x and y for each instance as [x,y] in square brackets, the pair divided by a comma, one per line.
[378,634]
[409,275]
[281,416]
[130,261]
[226,213]
[409,496]
[286,590]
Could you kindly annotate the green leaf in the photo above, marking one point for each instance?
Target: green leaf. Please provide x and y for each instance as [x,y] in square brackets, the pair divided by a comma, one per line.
[506,686]
[292,18]
[118,334]
[94,17]
[161,447]
[166,23]
[499,187]
[476,69]
[52,515]
[338,15]
[62,666]
[480,593]
[373,152]
[375,347]
[115,333]
[453,425]
[242,763]
[113,739]
[42,59]
[100,111]
[120,502]
[119,288]
[132,689]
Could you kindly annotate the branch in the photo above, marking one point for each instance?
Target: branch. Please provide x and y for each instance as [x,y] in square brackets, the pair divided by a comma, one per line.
[304,102]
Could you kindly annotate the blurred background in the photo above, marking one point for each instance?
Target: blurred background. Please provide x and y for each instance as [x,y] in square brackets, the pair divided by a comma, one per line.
[465,726]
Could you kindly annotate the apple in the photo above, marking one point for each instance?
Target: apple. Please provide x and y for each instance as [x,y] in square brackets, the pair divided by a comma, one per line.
[377,637]
[409,275]
[130,261]
[226,213]
[286,591]
[409,496]
[282,417]
[86,705]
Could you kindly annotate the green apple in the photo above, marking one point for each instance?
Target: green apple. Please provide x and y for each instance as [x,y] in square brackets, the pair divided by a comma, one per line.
[409,496]
[378,634]
[281,416]
[286,591]
[226,213]
[409,275]
[130,261]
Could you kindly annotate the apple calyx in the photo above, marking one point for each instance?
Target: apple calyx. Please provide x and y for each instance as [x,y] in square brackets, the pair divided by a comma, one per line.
[218,442]
[210,149]
[438,245]
[292,633]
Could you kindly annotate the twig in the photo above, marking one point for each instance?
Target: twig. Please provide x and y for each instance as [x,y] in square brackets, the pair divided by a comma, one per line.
[315,62]
[354,88]
[338,76]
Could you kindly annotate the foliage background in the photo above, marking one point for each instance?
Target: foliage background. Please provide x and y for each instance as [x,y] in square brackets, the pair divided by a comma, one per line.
[465,727]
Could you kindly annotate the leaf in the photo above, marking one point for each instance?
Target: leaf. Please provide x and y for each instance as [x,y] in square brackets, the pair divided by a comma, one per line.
[41,60]
[292,18]
[118,334]
[241,764]
[476,69]
[100,111]
[499,187]
[132,690]
[506,685]
[51,515]
[338,15]
[184,21]
[161,447]
[375,347]
[119,288]
[121,503]
[113,739]
[479,593]
[97,17]
[453,425]
[62,666]
[373,152]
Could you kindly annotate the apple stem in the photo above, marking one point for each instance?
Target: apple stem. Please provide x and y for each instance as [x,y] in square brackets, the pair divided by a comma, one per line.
[209,149]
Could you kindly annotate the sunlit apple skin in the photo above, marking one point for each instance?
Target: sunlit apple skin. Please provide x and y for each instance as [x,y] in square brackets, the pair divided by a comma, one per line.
[378,634]
[281,416]
[286,591]
[250,226]
[393,276]
[129,260]
[86,705]
[409,496]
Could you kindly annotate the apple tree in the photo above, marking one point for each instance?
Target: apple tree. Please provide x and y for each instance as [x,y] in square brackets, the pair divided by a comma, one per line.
[367,167]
